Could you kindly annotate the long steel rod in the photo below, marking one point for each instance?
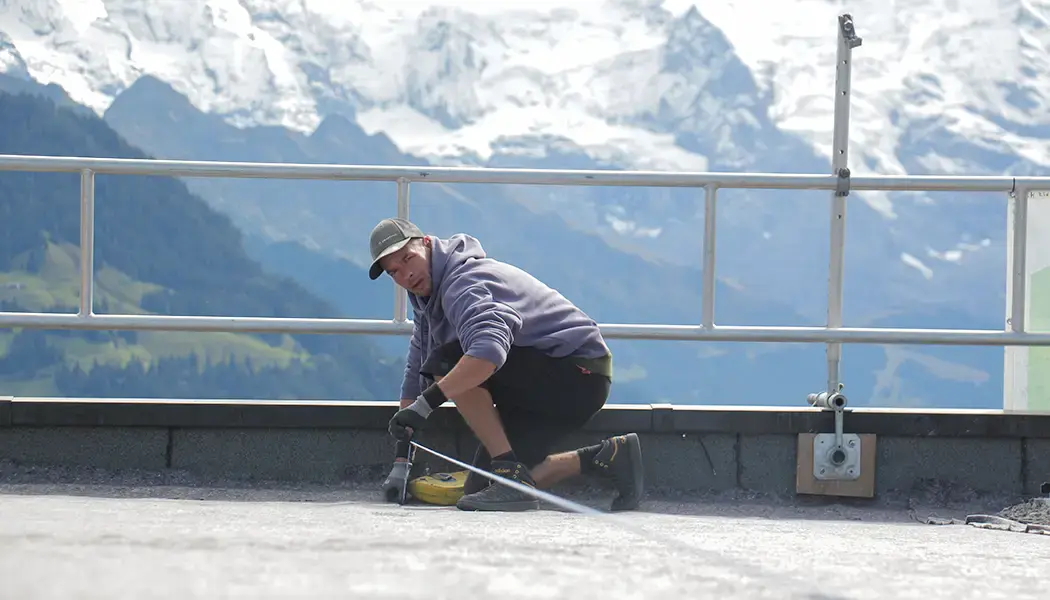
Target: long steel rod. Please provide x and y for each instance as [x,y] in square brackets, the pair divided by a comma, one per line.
[87,243]
[707,299]
[400,295]
[176,168]
[847,40]
[1019,252]
[611,330]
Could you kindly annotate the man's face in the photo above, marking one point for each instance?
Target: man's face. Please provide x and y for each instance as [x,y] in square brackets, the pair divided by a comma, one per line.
[409,267]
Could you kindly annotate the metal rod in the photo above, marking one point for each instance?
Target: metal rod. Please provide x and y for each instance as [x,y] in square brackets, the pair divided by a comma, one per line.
[1019,271]
[177,168]
[847,40]
[849,335]
[87,243]
[707,300]
[400,295]
[839,426]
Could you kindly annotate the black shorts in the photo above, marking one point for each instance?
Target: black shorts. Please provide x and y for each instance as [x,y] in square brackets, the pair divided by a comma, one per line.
[540,399]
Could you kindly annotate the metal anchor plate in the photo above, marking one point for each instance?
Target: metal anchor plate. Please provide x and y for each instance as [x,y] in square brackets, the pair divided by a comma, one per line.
[824,451]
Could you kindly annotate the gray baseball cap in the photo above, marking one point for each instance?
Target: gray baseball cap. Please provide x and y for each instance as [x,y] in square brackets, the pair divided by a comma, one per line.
[389,236]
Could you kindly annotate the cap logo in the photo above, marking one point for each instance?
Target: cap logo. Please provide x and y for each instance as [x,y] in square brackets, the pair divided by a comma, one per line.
[389,237]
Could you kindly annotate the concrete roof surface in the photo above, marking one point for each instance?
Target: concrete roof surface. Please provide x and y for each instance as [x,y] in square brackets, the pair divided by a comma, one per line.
[122,540]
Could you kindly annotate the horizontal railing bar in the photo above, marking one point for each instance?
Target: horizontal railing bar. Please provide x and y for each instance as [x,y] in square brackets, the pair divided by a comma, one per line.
[843,335]
[204,323]
[679,408]
[848,335]
[179,168]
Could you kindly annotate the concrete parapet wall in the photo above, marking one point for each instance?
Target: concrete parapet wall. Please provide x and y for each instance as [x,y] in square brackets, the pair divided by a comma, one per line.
[686,448]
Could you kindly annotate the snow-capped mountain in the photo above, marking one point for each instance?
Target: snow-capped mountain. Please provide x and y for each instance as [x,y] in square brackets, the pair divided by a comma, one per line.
[446,79]
[623,80]
[938,86]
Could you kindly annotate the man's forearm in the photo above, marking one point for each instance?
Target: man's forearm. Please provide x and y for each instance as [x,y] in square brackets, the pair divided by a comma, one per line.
[469,373]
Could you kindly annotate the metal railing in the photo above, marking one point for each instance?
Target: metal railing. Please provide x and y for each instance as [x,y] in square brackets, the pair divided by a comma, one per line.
[840,183]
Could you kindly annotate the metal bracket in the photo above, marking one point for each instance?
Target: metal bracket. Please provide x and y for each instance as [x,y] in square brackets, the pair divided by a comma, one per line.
[842,185]
[836,456]
[832,462]
[849,34]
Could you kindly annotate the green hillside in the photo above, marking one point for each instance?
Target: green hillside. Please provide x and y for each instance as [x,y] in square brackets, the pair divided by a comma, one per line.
[161,250]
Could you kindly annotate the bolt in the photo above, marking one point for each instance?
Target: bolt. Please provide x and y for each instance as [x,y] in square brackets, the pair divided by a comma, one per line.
[822,471]
[852,443]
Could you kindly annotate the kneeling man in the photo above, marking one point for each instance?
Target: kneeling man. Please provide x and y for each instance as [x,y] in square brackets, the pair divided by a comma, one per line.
[523,365]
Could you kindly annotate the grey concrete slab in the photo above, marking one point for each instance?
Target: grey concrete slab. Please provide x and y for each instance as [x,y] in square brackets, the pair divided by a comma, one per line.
[283,454]
[107,448]
[116,543]
[768,463]
[979,464]
[1037,465]
[689,462]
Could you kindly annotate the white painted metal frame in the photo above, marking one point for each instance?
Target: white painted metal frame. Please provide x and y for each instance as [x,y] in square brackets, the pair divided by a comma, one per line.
[840,182]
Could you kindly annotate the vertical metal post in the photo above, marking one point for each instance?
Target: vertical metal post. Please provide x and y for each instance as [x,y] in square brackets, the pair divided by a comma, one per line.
[1018,272]
[847,41]
[87,243]
[707,300]
[400,295]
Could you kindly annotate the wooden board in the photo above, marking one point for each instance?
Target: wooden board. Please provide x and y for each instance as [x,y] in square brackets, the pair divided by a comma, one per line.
[862,487]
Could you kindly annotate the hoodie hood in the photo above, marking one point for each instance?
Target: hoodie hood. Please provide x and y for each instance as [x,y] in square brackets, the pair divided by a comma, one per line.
[446,256]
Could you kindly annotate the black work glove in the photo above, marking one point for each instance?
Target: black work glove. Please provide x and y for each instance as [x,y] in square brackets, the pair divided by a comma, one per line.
[410,419]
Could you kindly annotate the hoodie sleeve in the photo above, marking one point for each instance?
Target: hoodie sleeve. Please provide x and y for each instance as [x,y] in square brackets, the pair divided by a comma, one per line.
[485,326]
[410,383]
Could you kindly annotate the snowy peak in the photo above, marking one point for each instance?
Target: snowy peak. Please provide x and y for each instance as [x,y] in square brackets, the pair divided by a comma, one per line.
[11,62]
[691,38]
[445,64]
[45,17]
[708,87]
[691,86]
[319,46]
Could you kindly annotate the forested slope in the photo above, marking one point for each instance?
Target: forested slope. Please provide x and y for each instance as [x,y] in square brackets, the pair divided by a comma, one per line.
[159,249]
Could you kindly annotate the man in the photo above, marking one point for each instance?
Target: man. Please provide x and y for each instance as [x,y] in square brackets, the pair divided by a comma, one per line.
[523,365]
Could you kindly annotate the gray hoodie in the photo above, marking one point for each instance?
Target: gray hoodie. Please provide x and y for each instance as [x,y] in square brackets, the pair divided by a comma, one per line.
[490,306]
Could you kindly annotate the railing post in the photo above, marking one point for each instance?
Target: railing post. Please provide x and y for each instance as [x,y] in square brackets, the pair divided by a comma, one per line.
[707,299]
[87,243]
[1016,360]
[847,41]
[1019,269]
[400,295]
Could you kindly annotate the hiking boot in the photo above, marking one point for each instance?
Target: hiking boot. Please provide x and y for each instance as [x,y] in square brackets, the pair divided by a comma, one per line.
[621,460]
[499,496]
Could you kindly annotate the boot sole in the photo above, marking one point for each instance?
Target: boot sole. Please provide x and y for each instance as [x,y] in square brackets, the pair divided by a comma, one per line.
[634,447]
[519,506]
